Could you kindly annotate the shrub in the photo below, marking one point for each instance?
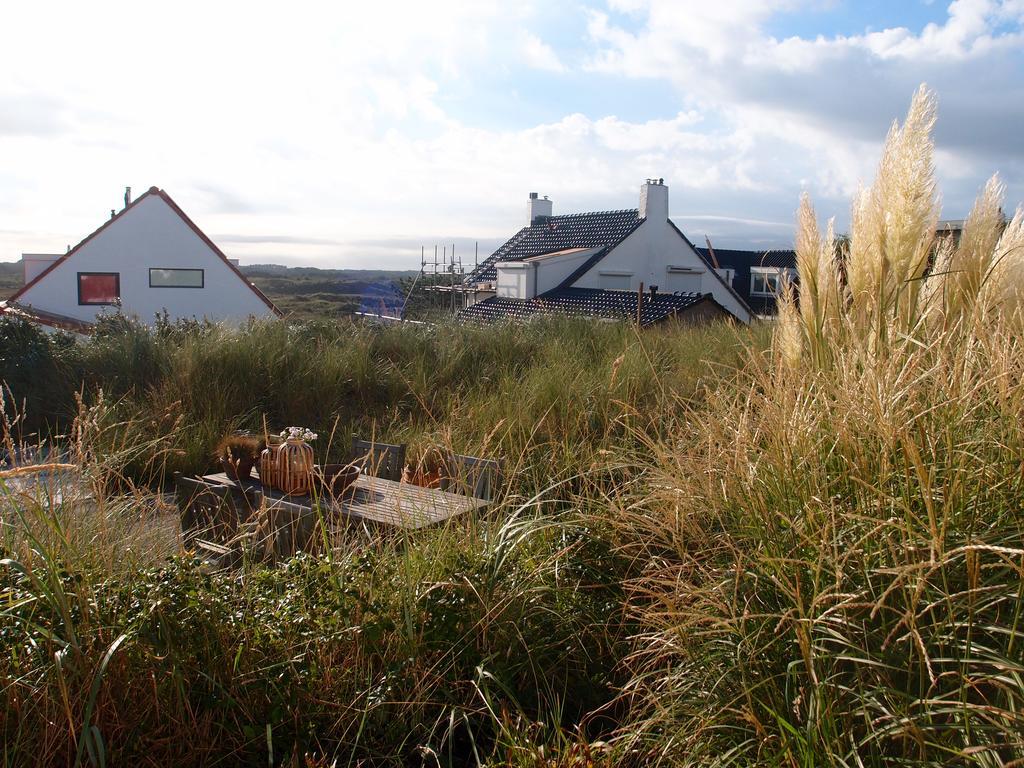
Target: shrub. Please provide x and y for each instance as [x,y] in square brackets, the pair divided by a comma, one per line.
[34,377]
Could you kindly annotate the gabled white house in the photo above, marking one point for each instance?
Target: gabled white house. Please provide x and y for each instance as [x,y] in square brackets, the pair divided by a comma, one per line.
[631,263]
[146,260]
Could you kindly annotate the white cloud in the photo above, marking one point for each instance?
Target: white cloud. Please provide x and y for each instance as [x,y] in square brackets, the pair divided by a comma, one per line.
[829,100]
[540,55]
[968,33]
[331,133]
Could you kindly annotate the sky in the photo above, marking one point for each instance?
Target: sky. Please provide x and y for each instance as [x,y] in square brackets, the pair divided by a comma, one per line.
[344,135]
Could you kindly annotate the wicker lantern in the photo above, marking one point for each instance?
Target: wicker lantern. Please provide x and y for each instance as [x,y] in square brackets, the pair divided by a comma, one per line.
[293,473]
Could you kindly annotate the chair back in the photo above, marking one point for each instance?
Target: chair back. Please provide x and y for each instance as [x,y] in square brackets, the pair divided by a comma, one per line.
[210,510]
[471,476]
[282,529]
[379,459]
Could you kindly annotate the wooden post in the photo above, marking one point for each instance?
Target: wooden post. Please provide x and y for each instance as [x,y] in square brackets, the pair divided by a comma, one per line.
[639,302]
[711,253]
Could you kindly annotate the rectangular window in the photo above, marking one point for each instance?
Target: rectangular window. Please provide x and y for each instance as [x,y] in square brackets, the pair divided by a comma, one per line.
[175,278]
[762,284]
[614,282]
[99,288]
[767,281]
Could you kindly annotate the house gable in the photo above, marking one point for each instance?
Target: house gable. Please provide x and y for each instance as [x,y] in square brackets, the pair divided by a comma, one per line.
[657,254]
[193,278]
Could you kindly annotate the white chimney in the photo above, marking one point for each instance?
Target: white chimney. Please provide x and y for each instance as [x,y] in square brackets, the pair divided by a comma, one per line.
[536,207]
[654,200]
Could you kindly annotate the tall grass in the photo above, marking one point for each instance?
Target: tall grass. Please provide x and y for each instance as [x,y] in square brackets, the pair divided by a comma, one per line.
[494,640]
[544,392]
[834,564]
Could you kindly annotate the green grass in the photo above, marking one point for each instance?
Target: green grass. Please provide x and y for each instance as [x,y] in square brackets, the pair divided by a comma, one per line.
[702,555]
[482,642]
[385,651]
[564,389]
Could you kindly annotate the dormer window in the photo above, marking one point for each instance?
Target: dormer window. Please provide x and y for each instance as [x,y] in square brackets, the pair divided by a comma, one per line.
[767,281]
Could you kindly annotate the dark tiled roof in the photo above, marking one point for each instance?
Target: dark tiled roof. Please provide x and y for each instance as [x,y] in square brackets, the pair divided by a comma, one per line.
[62,322]
[557,233]
[748,259]
[586,302]
[741,262]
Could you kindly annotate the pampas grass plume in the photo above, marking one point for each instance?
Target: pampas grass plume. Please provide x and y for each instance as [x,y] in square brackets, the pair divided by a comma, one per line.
[808,250]
[1003,290]
[893,224]
[788,339]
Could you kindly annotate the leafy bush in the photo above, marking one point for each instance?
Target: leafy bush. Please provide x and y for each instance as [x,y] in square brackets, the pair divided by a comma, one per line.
[34,377]
[387,652]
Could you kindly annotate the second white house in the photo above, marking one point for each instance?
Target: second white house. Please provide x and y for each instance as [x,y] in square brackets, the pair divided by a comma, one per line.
[632,263]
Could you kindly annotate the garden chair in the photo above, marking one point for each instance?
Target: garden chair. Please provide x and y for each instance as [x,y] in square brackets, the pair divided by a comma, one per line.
[211,516]
[281,529]
[383,460]
[471,476]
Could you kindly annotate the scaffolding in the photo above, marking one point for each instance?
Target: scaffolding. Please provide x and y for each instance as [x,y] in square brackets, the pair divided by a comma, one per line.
[445,273]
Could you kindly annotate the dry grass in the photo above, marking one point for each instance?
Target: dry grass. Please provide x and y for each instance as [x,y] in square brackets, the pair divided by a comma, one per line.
[833,564]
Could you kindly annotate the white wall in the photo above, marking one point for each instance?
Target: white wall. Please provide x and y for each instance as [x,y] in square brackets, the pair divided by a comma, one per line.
[552,270]
[646,255]
[539,274]
[516,280]
[149,234]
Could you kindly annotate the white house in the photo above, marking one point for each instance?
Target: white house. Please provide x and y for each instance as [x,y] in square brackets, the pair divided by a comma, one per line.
[147,259]
[631,263]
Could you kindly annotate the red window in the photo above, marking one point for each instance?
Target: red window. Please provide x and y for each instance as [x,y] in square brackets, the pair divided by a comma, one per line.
[99,287]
